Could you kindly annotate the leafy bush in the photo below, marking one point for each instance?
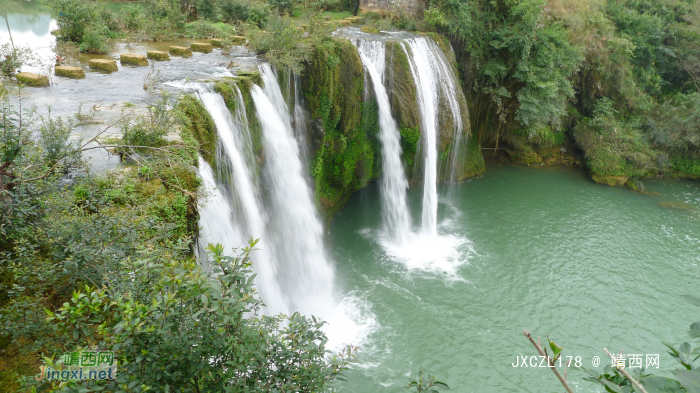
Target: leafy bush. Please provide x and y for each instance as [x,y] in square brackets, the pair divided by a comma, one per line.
[206,29]
[253,12]
[80,22]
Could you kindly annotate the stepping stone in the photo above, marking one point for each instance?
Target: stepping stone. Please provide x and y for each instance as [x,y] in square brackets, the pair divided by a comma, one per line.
[238,40]
[217,42]
[203,47]
[103,65]
[354,19]
[180,51]
[133,59]
[158,55]
[70,72]
[32,79]
[369,29]
[345,22]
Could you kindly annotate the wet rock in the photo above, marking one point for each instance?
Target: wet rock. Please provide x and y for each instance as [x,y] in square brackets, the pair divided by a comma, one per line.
[354,19]
[238,40]
[103,65]
[70,72]
[345,22]
[180,51]
[31,79]
[203,47]
[158,55]
[369,29]
[610,180]
[217,42]
[133,59]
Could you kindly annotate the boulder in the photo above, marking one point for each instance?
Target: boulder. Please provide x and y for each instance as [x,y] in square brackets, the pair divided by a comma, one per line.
[203,47]
[70,72]
[180,51]
[217,42]
[31,79]
[133,59]
[369,29]
[345,22]
[157,55]
[103,65]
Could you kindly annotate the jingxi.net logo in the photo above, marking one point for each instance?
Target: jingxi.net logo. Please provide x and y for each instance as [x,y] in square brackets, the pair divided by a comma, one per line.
[81,366]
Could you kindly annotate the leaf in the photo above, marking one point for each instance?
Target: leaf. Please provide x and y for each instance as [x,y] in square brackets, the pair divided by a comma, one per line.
[690,379]
[204,299]
[614,387]
[555,348]
[694,300]
[655,384]
[694,330]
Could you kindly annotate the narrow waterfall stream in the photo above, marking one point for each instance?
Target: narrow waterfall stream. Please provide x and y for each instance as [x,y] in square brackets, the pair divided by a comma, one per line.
[397,221]
[296,233]
[232,136]
[433,76]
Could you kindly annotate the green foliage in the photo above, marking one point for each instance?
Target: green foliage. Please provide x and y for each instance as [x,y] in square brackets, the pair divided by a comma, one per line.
[80,22]
[173,325]
[253,12]
[615,147]
[427,383]
[197,122]
[283,6]
[206,29]
[280,43]
[409,144]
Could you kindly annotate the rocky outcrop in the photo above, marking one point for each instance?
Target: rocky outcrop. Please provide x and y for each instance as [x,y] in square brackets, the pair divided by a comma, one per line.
[103,65]
[70,72]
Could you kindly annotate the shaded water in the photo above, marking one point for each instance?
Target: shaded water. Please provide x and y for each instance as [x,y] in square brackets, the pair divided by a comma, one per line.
[550,252]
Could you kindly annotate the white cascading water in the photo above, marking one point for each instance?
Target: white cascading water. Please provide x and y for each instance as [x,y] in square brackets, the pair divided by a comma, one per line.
[295,233]
[425,249]
[397,220]
[431,72]
[214,229]
[251,222]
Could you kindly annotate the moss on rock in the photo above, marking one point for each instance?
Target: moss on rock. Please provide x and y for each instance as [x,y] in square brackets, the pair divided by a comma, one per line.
[343,143]
[369,29]
[200,125]
[203,47]
[103,65]
[157,55]
[133,59]
[70,72]
[180,51]
[31,79]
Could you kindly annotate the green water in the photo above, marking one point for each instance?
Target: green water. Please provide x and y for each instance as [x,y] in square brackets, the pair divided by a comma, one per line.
[550,252]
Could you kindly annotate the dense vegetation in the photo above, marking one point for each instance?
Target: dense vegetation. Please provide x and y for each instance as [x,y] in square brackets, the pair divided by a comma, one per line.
[617,77]
[107,260]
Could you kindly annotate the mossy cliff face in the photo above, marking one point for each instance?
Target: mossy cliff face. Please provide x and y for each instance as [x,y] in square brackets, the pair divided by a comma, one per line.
[198,123]
[401,87]
[343,144]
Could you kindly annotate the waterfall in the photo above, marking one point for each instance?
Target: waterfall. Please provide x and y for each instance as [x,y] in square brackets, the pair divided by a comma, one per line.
[434,79]
[397,224]
[214,229]
[235,142]
[295,233]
